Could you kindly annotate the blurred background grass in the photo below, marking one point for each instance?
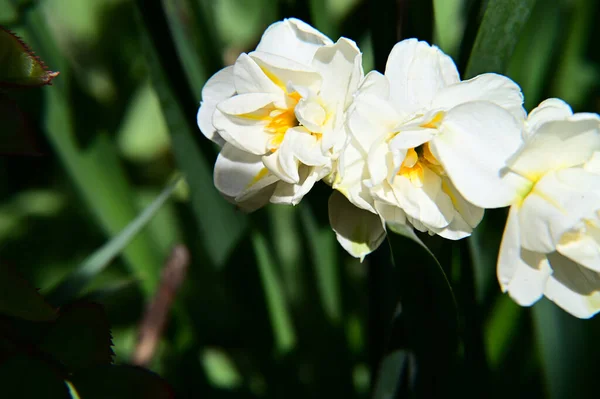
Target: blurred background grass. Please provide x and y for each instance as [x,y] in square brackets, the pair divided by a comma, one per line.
[271,305]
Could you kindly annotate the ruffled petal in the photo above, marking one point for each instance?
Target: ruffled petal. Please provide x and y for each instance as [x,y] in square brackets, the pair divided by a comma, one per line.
[581,244]
[358,231]
[293,39]
[352,171]
[250,78]
[558,202]
[241,120]
[474,142]
[552,109]
[573,287]
[427,204]
[286,73]
[557,145]
[417,72]
[340,66]
[218,88]
[291,194]
[520,272]
[240,176]
[491,87]
[370,118]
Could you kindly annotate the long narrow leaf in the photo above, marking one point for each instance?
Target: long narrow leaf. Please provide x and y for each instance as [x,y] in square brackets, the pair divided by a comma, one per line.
[323,247]
[498,35]
[221,227]
[95,170]
[96,262]
[283,330]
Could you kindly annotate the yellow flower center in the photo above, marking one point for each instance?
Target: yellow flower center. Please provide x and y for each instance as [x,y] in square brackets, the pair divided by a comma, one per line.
[280,120]
[416,160]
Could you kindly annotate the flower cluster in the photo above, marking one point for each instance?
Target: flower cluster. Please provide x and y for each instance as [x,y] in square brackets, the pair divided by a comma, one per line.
[414,147]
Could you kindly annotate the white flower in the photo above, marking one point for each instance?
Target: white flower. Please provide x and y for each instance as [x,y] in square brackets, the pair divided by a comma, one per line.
[551,243]
[422,141]
[279,114]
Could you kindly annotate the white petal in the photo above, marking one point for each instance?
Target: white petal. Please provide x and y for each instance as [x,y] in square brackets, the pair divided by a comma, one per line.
[427,204]
[288,171]
[239,176]
[241,120]
[491,87]
[552,109]
[358,231]
[520,272]
[475,141]
[417,71]
[351,174]
[392,215]
[556,204]
[470,213]
[581,244]
[340,66]
[573,287]
[593,164]
[293,39]
[557,145]
[406,139]
[375,84]
[299,144]
[370,118]
[456,230]
[218,88]
[292,194]
[284,72]
[250,78]
[311,115]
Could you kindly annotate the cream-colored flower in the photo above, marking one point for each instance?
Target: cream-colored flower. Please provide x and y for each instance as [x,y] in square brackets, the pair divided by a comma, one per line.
[279,114]
[425,146]
[551,244]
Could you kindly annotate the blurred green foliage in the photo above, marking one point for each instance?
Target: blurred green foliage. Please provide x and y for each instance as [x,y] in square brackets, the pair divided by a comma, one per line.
[271,305]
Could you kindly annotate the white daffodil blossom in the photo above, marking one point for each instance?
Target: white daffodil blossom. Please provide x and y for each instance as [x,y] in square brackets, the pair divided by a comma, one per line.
[425,145]
[279,114]
[551,242]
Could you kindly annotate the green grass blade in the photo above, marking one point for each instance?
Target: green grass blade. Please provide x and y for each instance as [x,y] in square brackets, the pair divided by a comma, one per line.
[95,170]
[565,344]
[498,35]
[220,225]
[96,262]
[283,330]
[323,248]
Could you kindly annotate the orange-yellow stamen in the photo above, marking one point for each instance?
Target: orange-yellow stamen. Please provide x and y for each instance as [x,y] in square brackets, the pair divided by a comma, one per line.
[435,122]
[415,161]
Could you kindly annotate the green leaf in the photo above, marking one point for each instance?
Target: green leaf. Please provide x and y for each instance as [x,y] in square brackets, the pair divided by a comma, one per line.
[19,66]
[498,35]
[565,345]
[95,169]
[323,248]
[80,337]
[425,325]
[283,330]
[71,286]
[220,225]
[26,377]
[120,382]
[19,299]
[393,368]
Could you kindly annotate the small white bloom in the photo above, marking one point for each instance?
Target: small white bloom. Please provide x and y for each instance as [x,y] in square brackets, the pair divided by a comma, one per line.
[551,243]
[279,114]
[423,142]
